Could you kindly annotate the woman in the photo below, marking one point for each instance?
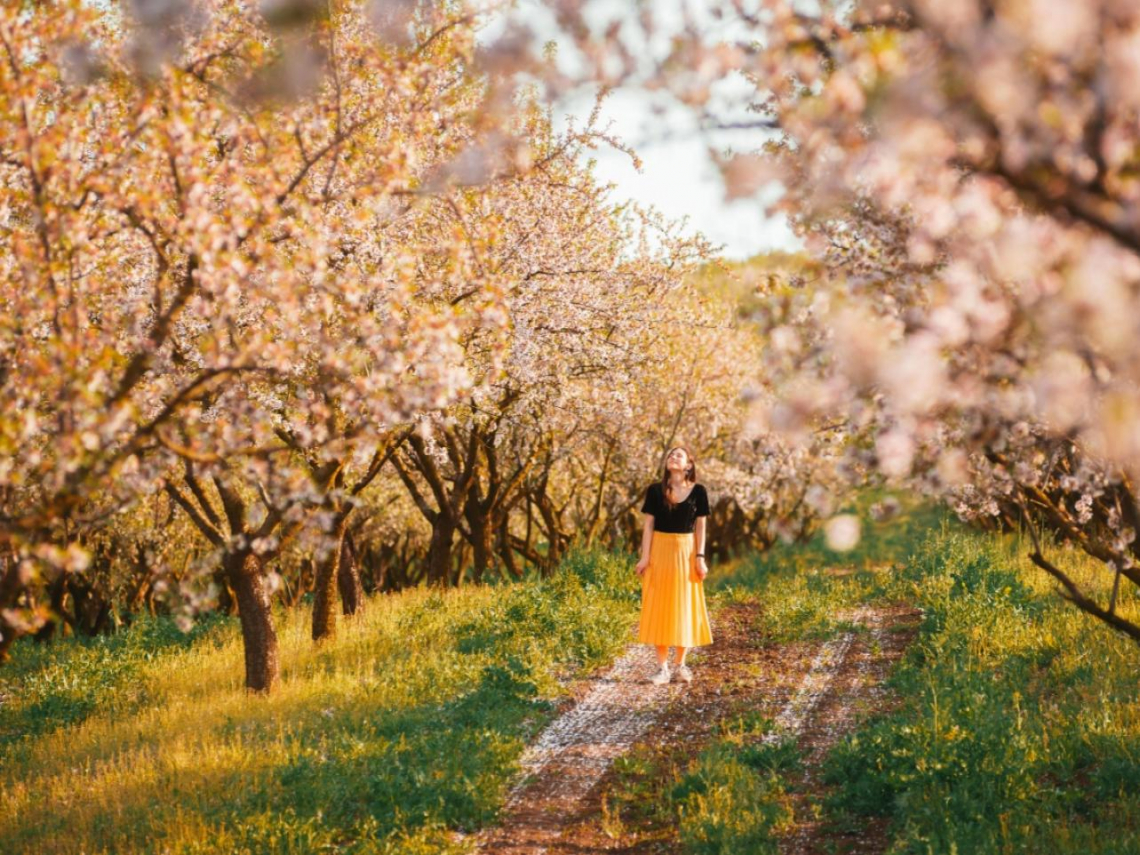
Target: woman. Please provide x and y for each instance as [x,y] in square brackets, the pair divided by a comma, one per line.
[672,566]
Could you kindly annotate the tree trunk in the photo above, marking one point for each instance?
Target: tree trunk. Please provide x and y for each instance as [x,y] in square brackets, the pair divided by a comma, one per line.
[459,565]
[506,550]
[374,561]
[439,553]
[528,541]
[262,667]
[599,496]
[92,611]
[143,582]
[482,544]
[555,538]
[11,586]
[58,617]
[227,602]
[348,578]
[325,585]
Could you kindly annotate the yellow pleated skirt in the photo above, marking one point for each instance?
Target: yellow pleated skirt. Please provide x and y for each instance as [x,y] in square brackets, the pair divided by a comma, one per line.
[673,611]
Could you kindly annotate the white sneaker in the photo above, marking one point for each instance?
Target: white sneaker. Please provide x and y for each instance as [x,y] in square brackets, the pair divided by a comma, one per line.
[684,674]
[661,677]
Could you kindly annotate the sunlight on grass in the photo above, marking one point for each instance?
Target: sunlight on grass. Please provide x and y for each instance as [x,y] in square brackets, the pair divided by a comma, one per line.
[1019,724]
[1018,728]
[409,724]
[805,587]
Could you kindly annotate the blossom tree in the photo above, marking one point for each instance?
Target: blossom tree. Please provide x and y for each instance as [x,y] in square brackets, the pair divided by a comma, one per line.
[965,173]
[579,292]
[175,230]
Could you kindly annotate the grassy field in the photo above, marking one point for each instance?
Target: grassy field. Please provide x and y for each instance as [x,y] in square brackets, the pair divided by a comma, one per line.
[803,586]
[734,796]
[406,728]
[1018,723]
[1018,727]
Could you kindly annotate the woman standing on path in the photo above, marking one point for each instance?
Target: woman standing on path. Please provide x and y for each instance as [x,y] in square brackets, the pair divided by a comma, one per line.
[672,566]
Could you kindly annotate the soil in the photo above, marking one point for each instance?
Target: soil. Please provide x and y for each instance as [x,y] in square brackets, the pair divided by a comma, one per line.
[816,691]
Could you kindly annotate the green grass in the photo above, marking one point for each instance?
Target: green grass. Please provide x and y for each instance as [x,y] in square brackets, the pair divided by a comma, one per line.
[733,798]
[1016,727]
[60,684]
[404,730]
[1020,727]
[805,588]
[730,798]
[882,545]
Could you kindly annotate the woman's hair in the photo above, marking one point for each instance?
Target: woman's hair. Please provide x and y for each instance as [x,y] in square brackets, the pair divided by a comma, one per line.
[690,473]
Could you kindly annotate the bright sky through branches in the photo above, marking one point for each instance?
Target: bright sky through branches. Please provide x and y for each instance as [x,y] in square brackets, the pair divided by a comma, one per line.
[677,175]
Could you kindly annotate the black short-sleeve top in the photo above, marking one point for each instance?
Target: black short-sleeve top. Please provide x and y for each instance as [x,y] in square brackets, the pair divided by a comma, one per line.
[682,517]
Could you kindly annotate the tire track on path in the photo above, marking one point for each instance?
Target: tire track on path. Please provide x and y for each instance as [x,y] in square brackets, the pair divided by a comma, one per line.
[813,692]
[570,757]
[852,687]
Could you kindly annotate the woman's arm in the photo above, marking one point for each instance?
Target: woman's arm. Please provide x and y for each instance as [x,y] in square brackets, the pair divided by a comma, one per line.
[646,539]
[699,542]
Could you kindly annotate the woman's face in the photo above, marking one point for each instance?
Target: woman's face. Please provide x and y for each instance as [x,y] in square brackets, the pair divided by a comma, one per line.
[677,461]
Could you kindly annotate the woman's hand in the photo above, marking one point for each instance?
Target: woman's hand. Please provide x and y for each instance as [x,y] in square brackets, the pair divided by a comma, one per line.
[641,565]
[702,568]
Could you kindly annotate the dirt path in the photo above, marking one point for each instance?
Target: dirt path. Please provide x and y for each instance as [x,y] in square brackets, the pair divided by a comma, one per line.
[854,688]
[813,691]
[571,756]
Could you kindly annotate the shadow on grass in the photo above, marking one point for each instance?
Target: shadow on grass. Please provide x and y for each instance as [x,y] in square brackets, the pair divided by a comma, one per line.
[51,686]
[350,780]
[412,747]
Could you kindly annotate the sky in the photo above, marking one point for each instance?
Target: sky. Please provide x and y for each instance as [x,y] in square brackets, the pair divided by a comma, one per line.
[677,177]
